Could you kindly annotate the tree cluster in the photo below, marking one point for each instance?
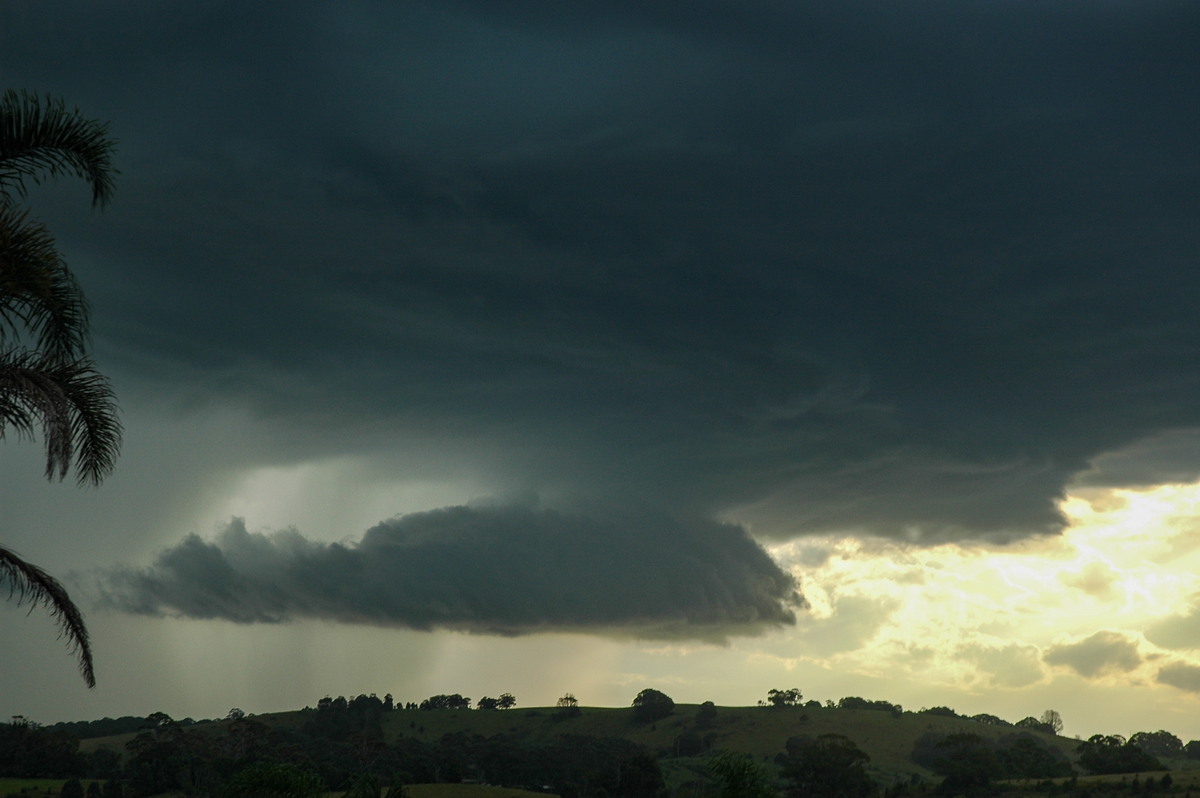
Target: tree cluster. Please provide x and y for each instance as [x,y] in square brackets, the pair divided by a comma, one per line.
[505,701]
[107,727]
[1037,724]
[1112,753]
[854,702]
[453,701]
[338,748]
[31,751]
[828,766]
[969,763]
[1161,744]
[783,698]
[945,712]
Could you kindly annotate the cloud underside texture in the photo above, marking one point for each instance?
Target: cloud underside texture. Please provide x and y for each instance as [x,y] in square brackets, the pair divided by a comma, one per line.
[499,570]
[862,266]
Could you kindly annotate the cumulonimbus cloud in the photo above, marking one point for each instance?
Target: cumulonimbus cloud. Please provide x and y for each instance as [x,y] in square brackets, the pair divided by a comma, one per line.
[501,570]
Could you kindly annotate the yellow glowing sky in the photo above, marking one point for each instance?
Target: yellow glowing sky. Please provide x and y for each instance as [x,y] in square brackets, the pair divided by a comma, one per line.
[1077,618]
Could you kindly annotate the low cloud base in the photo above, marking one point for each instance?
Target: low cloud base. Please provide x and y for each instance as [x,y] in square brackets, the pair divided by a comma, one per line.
[495,570]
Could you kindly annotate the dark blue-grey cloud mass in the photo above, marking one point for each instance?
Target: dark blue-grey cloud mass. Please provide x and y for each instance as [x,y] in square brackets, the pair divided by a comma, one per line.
[893,268]
[499,570]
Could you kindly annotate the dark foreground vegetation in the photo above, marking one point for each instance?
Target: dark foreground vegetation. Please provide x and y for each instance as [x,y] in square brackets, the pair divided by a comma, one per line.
[367,746]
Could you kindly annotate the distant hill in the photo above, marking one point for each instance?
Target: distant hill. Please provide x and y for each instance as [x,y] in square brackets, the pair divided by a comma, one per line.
[681,739]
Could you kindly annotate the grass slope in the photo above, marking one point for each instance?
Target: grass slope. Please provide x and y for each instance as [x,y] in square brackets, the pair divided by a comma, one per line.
[468,791]
[28,788]
[760,731]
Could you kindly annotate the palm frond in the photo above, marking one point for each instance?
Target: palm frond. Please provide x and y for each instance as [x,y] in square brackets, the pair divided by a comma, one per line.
[72,404]
[29,584]
[52,386]
[39,296]
[41,139]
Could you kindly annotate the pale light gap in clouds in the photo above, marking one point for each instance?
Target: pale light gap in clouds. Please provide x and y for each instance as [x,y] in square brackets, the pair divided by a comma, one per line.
[1112,602]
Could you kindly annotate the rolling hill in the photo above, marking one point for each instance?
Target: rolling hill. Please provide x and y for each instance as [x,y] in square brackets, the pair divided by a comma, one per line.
[888,738]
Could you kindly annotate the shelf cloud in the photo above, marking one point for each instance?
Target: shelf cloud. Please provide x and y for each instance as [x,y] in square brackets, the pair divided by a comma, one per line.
[498,570]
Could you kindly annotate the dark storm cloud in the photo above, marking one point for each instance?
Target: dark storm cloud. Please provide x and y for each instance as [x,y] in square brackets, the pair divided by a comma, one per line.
[505,570]
[856,267]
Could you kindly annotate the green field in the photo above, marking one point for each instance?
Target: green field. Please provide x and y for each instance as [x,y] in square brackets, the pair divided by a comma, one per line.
[32,787]
[469,791]
[29,788]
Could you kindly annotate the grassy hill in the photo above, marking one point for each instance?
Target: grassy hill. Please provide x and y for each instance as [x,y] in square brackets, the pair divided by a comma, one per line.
[760,731]
[50,788]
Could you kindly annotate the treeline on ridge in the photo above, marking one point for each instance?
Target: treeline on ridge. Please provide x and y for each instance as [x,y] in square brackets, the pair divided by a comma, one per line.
[343,742]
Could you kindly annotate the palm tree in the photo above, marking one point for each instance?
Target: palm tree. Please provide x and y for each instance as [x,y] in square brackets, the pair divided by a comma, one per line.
[47,381]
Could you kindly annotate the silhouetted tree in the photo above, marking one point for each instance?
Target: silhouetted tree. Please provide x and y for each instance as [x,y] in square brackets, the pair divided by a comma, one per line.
[990,720]
[854,702]
[706,715]
[650,705]
[1052,719]
[1158,744]
[568,706]
[945,712]
[829,766]
[506,701]
[453,701]
[1034,724]
[784,698]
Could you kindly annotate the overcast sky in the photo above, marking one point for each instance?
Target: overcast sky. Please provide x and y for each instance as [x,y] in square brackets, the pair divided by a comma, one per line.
[480,346]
